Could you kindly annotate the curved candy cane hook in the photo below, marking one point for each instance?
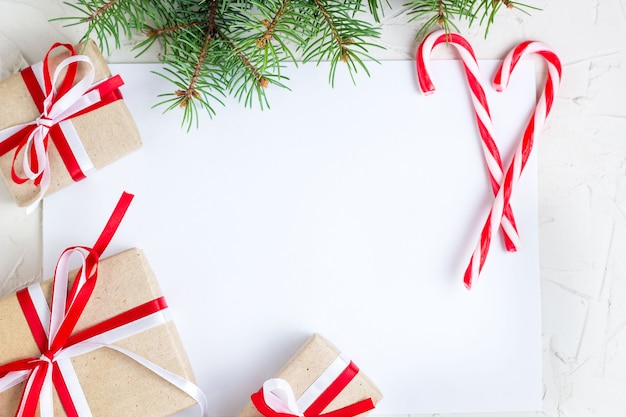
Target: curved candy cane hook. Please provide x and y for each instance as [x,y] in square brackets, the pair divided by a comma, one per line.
[481,112]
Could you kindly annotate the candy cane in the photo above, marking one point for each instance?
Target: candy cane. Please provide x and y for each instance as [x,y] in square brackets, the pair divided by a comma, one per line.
[514,171]
[481,112]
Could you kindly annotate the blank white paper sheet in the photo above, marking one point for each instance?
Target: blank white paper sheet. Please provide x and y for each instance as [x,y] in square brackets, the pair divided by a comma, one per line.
[350,211]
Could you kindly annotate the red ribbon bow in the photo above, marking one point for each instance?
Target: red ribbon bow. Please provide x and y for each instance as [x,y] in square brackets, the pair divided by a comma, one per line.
[54,103]
[57,335]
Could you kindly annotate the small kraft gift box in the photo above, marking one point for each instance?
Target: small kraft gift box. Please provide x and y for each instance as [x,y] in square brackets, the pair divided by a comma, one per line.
[96,342]
[59,119]
[317,381]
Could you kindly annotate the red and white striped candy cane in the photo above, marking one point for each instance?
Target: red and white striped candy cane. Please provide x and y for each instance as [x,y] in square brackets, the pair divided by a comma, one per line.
[514,171]
[481,112]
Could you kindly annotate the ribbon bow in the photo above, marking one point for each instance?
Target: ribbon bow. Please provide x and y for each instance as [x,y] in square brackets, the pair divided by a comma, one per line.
[53,327]
[277,399]
[58,99]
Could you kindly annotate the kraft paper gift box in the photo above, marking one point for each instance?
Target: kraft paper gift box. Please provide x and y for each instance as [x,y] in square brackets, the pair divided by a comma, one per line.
[114,385]
[106,133]
[305,368]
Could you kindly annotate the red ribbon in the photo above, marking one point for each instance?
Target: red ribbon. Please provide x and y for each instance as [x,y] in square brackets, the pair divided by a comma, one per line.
[64,338]
[109,92]
[322,401]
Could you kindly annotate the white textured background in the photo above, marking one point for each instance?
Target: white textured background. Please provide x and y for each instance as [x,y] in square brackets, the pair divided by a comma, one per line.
[582,172]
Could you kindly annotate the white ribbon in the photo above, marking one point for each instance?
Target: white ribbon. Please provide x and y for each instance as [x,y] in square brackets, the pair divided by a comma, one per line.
[279,396]
[51,320]
[323,381]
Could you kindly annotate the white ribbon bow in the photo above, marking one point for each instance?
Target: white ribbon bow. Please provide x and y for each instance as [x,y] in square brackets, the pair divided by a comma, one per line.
[55,111]
[51,319]
[279,396]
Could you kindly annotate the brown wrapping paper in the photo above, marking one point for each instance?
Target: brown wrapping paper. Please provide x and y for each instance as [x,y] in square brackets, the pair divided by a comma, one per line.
[114,384]
[308,364]
[107,133]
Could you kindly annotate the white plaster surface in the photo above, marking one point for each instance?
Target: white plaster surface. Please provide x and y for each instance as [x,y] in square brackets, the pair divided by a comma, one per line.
[582,183]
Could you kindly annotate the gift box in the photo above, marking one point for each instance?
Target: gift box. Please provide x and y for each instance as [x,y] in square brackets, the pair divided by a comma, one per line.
[88,136]
[320,380]
[113,384]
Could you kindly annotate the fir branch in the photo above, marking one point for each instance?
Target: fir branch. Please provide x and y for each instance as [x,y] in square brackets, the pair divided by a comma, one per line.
[337,36]
[341,43]
[376,9]
[491,7]
[258,42]
[279,32]
[108,19]
[444,12]
[215,48]
[166,23]
[101,10]
[190,65]
[246,77]
[439,12]
[191,91]
[155,33]
[268,34]
[248,74]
